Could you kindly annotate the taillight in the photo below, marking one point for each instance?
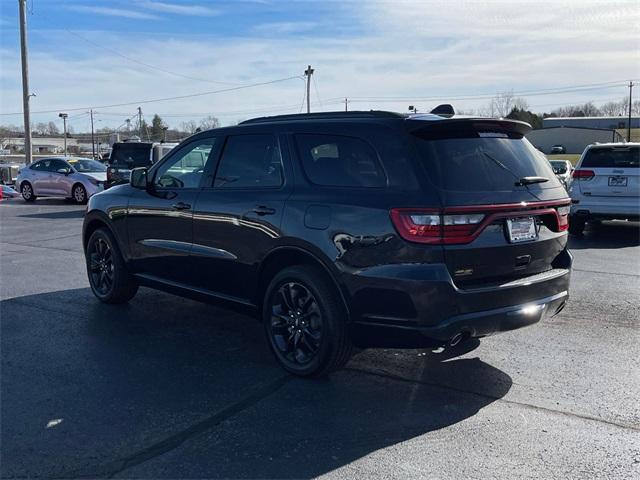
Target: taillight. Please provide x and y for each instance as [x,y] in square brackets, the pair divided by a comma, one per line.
[563,217]
[581,174]
[433,227]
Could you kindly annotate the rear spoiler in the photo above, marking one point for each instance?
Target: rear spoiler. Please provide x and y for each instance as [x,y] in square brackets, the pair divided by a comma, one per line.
[442,126]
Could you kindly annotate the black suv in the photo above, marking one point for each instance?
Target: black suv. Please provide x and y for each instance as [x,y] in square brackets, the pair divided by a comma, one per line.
[343,230]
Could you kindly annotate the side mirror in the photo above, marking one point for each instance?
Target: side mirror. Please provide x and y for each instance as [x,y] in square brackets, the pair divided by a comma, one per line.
[64,171]
[139,178]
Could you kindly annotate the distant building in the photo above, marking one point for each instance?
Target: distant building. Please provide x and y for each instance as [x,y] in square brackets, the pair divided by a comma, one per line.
[573,139]
[610,123]
[39,145]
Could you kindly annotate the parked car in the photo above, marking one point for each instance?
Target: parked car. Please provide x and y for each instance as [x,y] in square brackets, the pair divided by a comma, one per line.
[74,178]
[563,170]
[606,185]
[126,156]
[337,230]
[7,192]
[558,150]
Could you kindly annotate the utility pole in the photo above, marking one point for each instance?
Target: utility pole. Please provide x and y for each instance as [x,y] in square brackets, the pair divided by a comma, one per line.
[308,72]
[346,102]
[64,116]
[140,123]
[93,143]
[25,82]
[629,124]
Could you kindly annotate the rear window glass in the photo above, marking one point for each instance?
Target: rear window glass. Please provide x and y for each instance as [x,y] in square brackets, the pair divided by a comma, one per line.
[338,161]
[612,158]
[130,155]
[470,161]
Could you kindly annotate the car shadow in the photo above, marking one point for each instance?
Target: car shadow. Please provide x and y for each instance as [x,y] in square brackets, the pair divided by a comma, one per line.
[167,387]
[607,234]
[66,214]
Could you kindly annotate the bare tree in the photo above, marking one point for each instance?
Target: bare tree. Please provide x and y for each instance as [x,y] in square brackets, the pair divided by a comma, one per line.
[611,109]
[502,104]
[189,127]
[209,123]
[52,129]
[41,128]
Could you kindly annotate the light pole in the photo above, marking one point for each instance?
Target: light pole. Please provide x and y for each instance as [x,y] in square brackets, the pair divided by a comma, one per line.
[64,116]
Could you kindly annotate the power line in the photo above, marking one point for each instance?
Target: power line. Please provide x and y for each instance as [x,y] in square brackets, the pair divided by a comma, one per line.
[153,67]
[179,97]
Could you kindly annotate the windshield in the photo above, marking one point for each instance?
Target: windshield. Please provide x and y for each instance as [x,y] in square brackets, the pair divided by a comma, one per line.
[481,161]
[131,155]
[85,165]
[616,157]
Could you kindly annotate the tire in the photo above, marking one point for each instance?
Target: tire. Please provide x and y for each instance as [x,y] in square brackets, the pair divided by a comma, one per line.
[305,322]
[79,194]
[108,276]
[576,225]
[27,192]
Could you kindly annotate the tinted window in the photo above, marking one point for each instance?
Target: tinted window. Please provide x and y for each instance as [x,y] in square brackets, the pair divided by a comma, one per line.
[250,161]
[86,165]
[337,161]
[57,165]
[625,157]
[180,170]
[470,161]
[40,166]
[130,155]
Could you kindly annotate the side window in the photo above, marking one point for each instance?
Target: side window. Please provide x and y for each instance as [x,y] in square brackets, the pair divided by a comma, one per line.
[337,161]
[39,166]
[250,161]
[57,165]
[185,168]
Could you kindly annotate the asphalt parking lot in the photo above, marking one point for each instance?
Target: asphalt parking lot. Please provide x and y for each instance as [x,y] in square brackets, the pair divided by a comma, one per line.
[170,388]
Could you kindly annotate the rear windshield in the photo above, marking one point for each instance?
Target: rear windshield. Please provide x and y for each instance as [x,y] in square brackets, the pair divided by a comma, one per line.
[470,161]
[617,157]
[131,155]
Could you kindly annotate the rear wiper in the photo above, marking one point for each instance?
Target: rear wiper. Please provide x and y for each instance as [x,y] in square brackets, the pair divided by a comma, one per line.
[530,180]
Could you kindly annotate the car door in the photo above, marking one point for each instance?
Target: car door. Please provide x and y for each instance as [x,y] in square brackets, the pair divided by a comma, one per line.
[160,218]
[237,219]
[38,175]
[59,181]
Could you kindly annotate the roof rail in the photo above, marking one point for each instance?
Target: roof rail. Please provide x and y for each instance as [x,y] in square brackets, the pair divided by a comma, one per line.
[325,116]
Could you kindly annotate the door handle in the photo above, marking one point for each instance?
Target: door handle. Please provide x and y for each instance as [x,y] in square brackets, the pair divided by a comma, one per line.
[262,210]
[181,206]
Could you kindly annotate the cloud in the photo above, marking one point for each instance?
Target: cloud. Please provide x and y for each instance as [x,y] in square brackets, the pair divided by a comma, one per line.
[418,52]
[284,27]
[112,12]
[179,9]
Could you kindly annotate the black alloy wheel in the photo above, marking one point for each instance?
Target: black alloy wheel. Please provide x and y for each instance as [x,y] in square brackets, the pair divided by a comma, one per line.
[108,275]
[101,269]
[296,323]
[305,321]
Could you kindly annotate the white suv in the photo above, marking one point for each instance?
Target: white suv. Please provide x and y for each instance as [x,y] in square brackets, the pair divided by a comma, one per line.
[606,185]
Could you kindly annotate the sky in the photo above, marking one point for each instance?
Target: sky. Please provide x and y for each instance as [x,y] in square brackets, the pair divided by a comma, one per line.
[378,54]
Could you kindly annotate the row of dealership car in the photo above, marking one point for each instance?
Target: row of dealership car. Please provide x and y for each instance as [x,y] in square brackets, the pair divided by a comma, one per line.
[604,183]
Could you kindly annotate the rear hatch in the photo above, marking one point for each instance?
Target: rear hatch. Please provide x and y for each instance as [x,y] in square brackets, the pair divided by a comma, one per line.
[125,157]
[503,211]
[609,171]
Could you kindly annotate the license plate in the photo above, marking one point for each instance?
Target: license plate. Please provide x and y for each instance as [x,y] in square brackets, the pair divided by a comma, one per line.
[521,229]
[618,181]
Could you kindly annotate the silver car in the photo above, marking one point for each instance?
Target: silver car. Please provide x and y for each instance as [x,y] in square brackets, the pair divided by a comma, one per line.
[75,178]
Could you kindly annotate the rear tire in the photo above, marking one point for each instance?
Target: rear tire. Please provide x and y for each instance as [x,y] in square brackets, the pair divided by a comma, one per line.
[79,194]
[305,322]
[109,277]
[27,192]
[576,225]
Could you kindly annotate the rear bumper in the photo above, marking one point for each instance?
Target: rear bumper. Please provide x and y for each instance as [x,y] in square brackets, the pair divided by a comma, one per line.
[607,208]
[430,312]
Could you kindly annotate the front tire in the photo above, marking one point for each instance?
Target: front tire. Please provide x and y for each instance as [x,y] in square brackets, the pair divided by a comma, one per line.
[79,194]
[109,278]
[306,322]
[27,192]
